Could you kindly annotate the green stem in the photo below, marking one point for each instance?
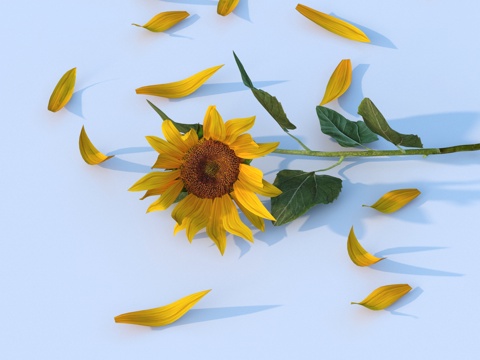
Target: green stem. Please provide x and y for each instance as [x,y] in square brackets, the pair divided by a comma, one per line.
[298,140]
[370,153]
[334,165]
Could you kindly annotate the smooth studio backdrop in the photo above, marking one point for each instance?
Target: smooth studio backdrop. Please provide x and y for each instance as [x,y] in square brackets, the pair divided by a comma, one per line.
[77,249]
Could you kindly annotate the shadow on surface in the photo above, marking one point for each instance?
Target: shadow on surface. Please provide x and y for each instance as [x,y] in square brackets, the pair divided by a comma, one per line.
[242,10]
[193,2]
[376,38]
[350,100]
[201,315]
[407,299]
[75,105]
[182,25]
[391,266]
[223,88]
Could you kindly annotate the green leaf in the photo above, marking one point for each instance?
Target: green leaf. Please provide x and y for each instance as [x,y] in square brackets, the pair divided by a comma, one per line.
[300,192]
[377,123]
[269,102]
[183,128]
[346,132]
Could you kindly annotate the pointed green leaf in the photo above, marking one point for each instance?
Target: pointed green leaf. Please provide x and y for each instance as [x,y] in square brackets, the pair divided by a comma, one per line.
[346,132]
[269,102]
[300,192]
[183,128]
[377,123]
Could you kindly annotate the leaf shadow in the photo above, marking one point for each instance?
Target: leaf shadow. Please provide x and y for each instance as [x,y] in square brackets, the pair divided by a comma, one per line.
[223,88]
[351,99]
[375,37]
[202,315]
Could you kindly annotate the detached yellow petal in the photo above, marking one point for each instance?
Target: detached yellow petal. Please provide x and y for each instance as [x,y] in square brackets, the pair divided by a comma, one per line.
[63,91]
[225,7]
[384,296]
[339,81]
[180,88]
[333,24]
[164,20]
[395,200]
[358,254]
[163,315]
[89,152]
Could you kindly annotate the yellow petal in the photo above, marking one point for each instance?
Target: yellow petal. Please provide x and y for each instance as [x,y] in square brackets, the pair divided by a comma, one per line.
[167,198]
[180,88]
[89,152]
[339,81]
[257,221]
[213,125]
[254,151]
[395,200]
[384,296]
[333,24]
[250,201]
[165,161]
[173,136]
[164,20]
[163,315]
[158,179]
[215,229]
[358,254]
[231,220]
[251,175]
[236,127]
[63,91]
[225,7]
[164,147]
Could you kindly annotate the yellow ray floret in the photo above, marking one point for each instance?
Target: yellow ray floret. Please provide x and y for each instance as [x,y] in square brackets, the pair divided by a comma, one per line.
[384,296]
[225,7]
[394,200]
[164,20]
[357,253]
[333,24]
[89,152]
[163,315]
[211,174]
[63,91]
[180,88]
[339,81]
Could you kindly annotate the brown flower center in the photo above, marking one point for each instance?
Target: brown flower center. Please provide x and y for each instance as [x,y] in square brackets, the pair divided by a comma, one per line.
[209,169]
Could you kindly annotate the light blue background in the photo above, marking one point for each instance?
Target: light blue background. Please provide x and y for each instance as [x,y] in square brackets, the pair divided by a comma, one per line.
[77,249]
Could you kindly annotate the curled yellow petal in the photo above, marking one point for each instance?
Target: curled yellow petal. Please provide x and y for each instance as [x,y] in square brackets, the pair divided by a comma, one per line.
[357,253]
[63,91]
[339,81]
[333,24]
[225,7]
[384,296]
[164,20]
[89,152]
[180,88]
[395,200]
[163,315]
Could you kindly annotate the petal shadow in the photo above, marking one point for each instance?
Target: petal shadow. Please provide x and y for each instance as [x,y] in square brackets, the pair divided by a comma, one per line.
[391,266]
[201,315]
[351,99]
[407,299]
[223,88]
[376,38]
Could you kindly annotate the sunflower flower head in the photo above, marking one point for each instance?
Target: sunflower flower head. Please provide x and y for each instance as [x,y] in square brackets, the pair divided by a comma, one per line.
[214,173]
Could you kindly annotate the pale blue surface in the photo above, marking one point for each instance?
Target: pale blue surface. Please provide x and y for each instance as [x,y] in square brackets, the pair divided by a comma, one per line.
[77,249]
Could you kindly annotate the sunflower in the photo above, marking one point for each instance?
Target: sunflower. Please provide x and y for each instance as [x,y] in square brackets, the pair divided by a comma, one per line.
[215,174]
